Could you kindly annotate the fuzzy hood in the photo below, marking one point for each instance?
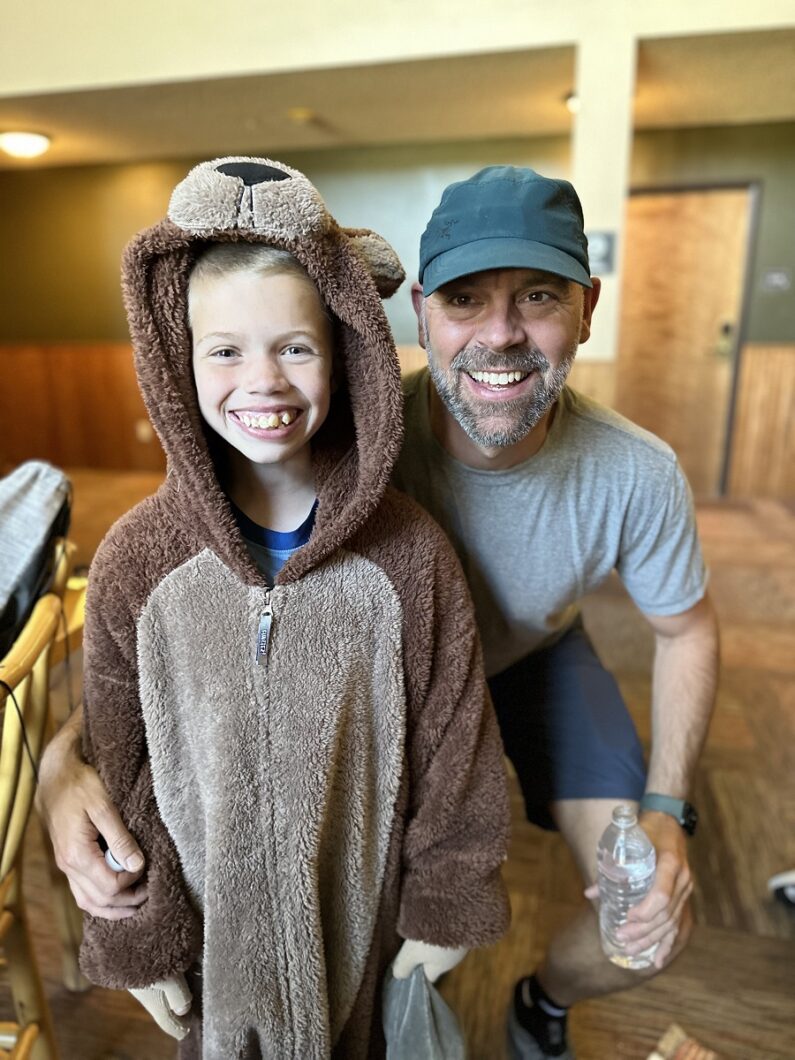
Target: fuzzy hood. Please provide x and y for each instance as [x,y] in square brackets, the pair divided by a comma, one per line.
[260,201]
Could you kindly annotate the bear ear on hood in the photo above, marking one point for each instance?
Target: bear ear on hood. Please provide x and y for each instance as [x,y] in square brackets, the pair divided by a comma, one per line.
[381,261]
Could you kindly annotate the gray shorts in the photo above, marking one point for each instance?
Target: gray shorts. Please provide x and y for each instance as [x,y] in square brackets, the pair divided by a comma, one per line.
[566,728]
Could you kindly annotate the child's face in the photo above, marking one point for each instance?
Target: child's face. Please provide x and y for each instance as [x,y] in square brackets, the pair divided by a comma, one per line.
[262,356]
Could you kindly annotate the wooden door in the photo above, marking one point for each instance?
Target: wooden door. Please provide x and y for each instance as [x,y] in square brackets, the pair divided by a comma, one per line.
[684,272]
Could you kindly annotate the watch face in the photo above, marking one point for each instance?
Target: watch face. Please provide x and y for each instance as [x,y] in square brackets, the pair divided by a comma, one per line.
[689,818]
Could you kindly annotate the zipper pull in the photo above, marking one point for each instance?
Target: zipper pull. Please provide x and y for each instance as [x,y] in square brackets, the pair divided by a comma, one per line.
[264,632]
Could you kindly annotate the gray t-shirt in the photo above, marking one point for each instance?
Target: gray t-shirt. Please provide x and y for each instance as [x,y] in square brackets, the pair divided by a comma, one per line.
[601,494]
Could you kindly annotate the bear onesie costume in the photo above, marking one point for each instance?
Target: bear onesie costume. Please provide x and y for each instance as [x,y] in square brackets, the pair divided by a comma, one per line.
[300,814]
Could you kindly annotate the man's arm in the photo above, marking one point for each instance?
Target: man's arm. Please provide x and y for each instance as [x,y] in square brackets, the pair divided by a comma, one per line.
[683,696]
[75,807]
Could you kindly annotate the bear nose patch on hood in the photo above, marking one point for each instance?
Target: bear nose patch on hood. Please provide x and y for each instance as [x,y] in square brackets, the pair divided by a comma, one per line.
[252,172]
[234,194]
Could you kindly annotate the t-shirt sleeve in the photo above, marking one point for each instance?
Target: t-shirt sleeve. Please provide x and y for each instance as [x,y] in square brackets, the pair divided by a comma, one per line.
[660,560]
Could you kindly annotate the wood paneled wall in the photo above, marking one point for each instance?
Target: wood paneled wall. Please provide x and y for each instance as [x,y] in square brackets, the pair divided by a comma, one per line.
[76,405]
[596,379]
[763,439]
[411,358]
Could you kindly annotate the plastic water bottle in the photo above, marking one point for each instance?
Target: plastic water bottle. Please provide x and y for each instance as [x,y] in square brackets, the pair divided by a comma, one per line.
[627,862]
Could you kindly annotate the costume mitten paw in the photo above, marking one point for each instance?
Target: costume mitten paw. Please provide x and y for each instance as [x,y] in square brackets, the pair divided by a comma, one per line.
[435,960]
[167,1002]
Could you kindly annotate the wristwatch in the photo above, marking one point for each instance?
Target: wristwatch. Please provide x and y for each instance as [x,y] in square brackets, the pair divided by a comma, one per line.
[680,810]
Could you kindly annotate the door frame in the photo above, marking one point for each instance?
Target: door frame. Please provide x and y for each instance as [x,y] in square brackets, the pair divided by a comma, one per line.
[754,188]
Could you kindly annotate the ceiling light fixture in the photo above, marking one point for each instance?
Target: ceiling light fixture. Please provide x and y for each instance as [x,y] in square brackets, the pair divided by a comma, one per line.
[572,101]
[302,115]
[24,144]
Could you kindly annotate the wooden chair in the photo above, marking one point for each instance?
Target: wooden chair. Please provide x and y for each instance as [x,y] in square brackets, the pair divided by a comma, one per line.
[24,698]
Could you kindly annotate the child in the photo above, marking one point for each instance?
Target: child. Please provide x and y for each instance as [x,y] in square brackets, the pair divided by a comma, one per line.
[293,720]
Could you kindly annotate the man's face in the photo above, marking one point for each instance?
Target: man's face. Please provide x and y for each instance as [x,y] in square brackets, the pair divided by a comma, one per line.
[500,345]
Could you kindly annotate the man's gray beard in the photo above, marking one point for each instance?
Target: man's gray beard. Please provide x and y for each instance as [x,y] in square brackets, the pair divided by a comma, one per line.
[473,415]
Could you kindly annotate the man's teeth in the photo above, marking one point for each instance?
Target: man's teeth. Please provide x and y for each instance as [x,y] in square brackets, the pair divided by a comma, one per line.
[268,420]
[498,378]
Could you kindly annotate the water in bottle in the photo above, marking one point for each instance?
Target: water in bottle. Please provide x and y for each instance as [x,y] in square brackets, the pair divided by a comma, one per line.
[626,862]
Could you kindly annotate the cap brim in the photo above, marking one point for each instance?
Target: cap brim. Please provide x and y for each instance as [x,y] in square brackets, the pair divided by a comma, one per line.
[501,253]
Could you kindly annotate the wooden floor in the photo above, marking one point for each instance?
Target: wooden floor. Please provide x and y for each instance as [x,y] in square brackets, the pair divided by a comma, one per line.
[734,988]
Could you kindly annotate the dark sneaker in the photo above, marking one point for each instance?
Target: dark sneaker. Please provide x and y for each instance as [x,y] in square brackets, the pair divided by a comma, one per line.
[523,1046]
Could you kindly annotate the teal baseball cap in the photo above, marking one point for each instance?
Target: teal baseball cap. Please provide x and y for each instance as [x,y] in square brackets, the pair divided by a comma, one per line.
[505,217]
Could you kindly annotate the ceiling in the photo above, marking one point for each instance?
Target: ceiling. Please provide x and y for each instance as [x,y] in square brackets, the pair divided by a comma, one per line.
[715,80]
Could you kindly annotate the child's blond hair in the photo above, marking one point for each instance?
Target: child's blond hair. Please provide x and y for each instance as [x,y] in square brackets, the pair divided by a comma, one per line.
[223,259]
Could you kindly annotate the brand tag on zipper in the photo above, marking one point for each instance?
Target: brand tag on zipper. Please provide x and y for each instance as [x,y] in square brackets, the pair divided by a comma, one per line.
[264,636]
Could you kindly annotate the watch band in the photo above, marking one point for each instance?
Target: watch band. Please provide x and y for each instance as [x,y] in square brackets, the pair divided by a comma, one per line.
[680,810]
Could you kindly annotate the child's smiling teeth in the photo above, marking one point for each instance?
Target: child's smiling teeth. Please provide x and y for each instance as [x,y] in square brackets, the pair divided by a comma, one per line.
[498,378]
[268,420]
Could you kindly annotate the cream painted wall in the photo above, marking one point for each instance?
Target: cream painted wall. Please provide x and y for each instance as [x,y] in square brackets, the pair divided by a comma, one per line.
[46,45]
[601,145]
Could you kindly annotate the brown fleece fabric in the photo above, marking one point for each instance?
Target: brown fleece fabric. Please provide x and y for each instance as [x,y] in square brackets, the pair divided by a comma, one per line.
[297,818]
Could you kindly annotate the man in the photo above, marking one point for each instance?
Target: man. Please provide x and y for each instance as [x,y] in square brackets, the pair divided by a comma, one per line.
[543,493]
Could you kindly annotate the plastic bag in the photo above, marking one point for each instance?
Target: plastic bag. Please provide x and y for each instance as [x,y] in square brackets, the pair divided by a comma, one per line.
[418,1024]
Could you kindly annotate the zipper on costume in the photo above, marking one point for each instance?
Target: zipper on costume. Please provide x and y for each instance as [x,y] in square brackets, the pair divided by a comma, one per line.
[264,631]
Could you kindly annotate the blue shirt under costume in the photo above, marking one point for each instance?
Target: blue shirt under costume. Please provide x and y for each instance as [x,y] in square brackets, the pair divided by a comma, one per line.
[270,549]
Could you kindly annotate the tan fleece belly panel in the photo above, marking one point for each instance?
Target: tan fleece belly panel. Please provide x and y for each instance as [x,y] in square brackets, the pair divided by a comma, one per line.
[278,785]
